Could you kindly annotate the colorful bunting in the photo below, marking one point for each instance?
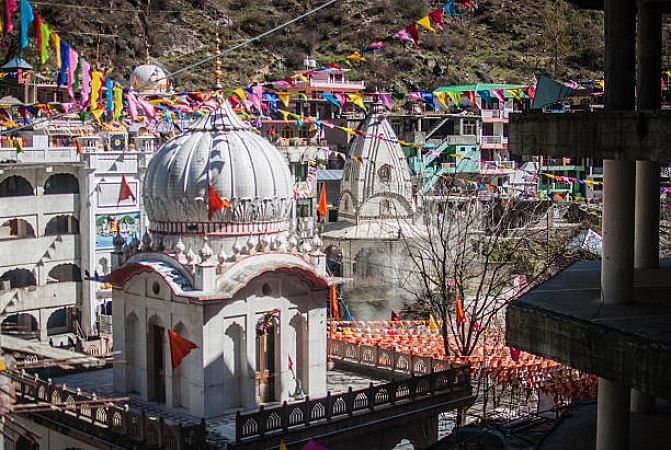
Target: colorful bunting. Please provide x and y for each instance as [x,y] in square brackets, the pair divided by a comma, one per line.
[425,22]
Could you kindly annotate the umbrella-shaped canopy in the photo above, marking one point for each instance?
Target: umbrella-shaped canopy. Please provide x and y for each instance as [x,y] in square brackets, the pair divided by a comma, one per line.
[16,63]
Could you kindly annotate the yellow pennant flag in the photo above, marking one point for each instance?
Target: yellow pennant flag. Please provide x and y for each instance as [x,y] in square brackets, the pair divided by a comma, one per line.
[425,22]
[442,98]
[118,101]
[283,446]
[96,84]
[455,97]
[56,44]
[46,33]
[601,84]
[356,56]
[240,93]
[515,93]
[357,99]
[348,131]
[284,114]
[433,326]
[284,98]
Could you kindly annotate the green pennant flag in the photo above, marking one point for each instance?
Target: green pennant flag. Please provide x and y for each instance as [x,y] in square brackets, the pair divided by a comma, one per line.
[18,147]
[76,87]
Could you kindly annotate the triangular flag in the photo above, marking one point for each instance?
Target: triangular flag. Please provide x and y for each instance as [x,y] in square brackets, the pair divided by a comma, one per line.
[403,35]
[437,17]
[333,302]
[425,23]
[291,363]
[78,146]
[470,95]
[461,317]
[394,316]
[125,191]
[357,99]
[442,98]
[433,326]
[283,446]
[412,31]
[385,98]
[17,147]
[214,202]
[179,348]
[322,208]
[455,97]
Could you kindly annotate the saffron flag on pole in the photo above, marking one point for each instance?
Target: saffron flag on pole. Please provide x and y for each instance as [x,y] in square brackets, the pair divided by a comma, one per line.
[461,316]
[179,348]
[333,303]
[214,202]
[322,208]
[125,191]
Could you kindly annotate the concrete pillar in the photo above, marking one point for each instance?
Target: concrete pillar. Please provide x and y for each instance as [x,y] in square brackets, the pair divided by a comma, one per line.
[612,425]
[617,266]
[646,254]
[87,247]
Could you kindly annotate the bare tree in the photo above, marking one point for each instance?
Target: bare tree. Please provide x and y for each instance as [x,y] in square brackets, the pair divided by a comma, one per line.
[472,248]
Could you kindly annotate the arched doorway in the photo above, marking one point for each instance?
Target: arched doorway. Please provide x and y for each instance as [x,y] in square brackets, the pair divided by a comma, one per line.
[265,360]
[234,360]
[156,360]
[15,186]
[65,272]
[19,278]
[57,322]
[61,183]
[62,225]
[16,229]
[21,324]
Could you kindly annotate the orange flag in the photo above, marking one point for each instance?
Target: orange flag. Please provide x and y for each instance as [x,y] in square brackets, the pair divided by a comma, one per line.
[125,191]
[334,303]
[461,317]
[322,209]
[214,202]
[179,348]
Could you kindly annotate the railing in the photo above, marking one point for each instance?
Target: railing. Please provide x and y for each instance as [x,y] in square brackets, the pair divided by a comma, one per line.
[107,421]
[497,166]
[495,113]
[447,379]
[43,154]
[493,140]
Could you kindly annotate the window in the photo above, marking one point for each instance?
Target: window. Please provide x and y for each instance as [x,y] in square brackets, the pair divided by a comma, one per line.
[468,127]
[488,129]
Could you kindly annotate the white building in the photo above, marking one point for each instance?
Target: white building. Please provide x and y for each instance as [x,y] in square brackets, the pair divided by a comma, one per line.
[58,214]
[251,309]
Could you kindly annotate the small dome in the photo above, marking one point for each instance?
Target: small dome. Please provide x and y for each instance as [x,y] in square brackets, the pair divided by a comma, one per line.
[242,167]
[149,78]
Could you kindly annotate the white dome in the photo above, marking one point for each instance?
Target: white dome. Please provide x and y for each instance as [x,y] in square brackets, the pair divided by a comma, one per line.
[243,168]
[149,78]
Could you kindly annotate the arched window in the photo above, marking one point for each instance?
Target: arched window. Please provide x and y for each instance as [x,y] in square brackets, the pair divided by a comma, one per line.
[57,322]
[24,325]
[16,229]
[65,272]
[61,183]
[15,186]
[19,278]
[62,225]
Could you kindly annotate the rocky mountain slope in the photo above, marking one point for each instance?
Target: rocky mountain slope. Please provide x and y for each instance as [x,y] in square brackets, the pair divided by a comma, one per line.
[503,41]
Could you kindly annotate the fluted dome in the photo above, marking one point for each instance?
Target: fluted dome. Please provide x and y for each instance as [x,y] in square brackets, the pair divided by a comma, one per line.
[376,181]
[243,168]
[149,78]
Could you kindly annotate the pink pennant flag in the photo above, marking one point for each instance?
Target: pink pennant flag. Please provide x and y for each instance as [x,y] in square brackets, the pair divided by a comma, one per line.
[498,93]
[10,8]
[85,81]
[403,35]
[385,98]
[377,44]
[147,107]
[258,90]
[342,99]
[415,96]
[437,17]
[72,66]
[132,105]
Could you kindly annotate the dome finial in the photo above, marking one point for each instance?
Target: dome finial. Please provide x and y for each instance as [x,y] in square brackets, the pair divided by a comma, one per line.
[206,251]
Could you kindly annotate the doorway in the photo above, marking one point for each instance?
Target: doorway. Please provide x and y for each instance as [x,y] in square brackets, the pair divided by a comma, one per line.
[156,360]
[265,365]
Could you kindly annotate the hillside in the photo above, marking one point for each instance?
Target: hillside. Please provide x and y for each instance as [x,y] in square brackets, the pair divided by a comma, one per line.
[504,40]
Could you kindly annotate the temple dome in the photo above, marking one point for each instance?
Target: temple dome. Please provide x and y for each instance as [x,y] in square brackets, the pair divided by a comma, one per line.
[148,78]
[243,168]
[376,180]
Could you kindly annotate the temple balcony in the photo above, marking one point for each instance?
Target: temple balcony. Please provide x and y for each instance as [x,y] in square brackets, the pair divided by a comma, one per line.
[564,319]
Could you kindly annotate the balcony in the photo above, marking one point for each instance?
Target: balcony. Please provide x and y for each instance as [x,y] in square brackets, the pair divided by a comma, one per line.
[37,155]
[46,204]
[29,251]
[497,167]
[565,320]
[494,142]
[329,85]
[495,115]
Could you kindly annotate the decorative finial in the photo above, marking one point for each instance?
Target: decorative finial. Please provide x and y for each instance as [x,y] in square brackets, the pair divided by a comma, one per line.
[180,247]
[118,241]
[222,256]
[217,61]
[190,256]
[237,249]
[251,245]
[316,242]
[205,252]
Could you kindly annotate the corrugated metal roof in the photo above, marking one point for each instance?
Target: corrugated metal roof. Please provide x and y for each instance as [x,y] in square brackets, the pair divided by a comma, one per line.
[329,175]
